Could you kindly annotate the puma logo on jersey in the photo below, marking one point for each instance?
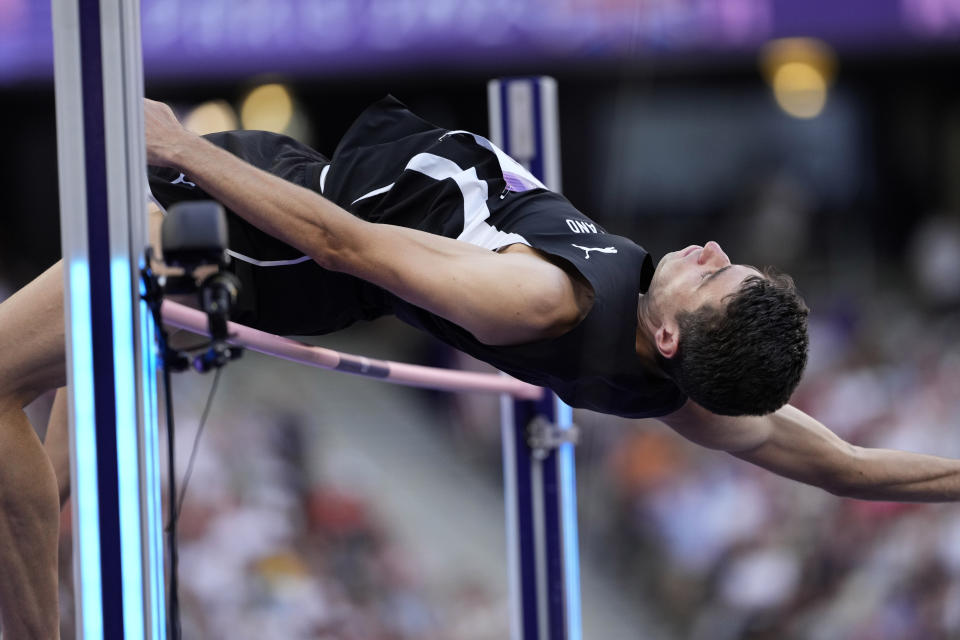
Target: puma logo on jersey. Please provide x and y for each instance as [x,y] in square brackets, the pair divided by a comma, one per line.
[600,249]
[183,180]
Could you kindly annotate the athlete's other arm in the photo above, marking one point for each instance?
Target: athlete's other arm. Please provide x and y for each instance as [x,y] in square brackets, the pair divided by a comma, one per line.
[501,298]
[792,444]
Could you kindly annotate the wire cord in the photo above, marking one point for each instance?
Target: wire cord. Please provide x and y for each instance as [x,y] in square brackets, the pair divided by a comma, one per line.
[196,439]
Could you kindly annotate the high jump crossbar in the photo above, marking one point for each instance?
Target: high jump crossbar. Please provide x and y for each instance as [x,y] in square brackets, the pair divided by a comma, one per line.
[195,321]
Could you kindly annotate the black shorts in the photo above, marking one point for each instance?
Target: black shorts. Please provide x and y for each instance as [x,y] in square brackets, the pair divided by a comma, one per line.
[282,291]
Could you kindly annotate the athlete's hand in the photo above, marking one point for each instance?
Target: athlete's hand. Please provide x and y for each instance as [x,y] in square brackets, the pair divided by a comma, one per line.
[165,135]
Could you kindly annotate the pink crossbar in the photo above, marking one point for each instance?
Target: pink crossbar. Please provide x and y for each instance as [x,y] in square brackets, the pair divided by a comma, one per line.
[183,317]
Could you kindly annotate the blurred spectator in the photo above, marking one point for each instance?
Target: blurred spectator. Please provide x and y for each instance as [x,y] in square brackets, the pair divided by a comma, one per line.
[935,260]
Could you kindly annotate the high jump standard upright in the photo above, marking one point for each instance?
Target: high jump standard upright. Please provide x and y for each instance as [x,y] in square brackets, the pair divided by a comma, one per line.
[110,363]
[539,480]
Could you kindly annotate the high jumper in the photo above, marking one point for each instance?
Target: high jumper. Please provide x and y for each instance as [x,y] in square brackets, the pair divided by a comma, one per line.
[443,230]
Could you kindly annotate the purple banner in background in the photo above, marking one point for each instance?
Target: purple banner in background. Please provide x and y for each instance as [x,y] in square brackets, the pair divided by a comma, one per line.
[203,38]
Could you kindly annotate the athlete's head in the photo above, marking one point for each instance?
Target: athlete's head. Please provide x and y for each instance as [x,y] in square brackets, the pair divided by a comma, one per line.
[734,339]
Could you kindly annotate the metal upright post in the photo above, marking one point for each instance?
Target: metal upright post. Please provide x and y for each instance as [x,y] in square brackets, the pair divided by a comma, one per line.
[110,358]
[539,472]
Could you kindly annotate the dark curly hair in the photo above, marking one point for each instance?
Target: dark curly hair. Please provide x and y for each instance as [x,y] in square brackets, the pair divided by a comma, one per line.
[747,357]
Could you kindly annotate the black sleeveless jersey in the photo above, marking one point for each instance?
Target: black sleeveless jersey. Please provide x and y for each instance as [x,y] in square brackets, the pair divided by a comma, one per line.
[393,167]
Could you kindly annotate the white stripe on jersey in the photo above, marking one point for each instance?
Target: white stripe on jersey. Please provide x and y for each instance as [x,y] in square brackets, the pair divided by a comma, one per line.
[476,230]
[507,164]
[323,177]
[375,192]
[267,263]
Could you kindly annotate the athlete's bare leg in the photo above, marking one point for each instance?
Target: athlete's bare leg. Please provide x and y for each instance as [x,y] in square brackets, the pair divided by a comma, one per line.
[57,443]
[31,362]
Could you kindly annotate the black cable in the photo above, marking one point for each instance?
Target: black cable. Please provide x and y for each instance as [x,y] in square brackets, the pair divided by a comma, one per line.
[196,439]
[175,506]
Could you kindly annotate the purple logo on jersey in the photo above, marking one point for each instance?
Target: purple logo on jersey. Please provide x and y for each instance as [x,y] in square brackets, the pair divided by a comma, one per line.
[517,183]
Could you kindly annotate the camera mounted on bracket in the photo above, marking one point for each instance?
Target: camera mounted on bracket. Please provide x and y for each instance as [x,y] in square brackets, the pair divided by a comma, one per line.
[194,238]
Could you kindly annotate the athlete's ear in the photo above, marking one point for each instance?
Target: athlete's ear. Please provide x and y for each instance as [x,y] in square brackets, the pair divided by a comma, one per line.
[667,337]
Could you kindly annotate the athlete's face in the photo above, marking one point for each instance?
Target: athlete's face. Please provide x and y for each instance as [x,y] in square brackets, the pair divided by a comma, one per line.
[688,279]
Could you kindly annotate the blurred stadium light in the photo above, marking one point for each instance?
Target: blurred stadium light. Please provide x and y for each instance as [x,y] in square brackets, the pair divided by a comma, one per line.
[210,117]
[268,107]
[800,70]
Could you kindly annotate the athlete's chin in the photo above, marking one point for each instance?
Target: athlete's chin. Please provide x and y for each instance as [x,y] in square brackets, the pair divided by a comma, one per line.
[666,263]
[663,262]
[670,267]
[660,275]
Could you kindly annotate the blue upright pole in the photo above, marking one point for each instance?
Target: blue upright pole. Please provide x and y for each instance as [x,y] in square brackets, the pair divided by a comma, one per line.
[99,91]
[539,475]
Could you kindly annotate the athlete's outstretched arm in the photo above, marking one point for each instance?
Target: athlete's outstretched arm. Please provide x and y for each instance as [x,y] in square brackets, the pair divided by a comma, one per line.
[500,298]
[792,444]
